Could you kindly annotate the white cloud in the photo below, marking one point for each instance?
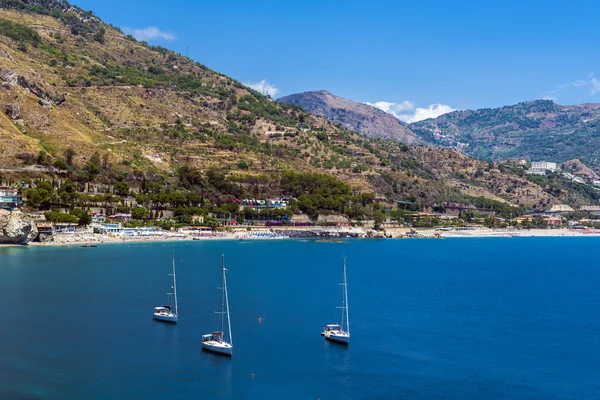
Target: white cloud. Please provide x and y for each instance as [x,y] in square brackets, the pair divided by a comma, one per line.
[407,111]
[150,33]
[264,87]
[592,83]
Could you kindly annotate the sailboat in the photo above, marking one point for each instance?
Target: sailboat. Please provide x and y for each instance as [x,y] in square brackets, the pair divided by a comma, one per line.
[215,341]
[340,333]
[169,313]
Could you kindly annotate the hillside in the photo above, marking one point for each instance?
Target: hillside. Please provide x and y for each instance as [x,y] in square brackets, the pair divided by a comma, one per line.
[537,130]
[81,96]
[367,120]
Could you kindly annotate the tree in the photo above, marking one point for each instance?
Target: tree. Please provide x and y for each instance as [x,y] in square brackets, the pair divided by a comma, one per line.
[60,164]
[379,218]
[99,35]
[95,159]
[92,167]
[42,158]
[69,154]
[84,219]
[122,188]
[139,213]
[105,157]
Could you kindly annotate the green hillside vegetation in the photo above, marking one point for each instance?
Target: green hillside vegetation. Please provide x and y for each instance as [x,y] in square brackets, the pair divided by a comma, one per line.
[150,128]
[536,130]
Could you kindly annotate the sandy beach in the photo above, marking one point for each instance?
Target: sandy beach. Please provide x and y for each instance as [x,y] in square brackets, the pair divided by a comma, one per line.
[485,232]
[80,238]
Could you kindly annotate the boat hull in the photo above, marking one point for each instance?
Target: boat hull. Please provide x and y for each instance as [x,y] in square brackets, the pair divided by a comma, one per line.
[166,318]
[219,348]
[343,339]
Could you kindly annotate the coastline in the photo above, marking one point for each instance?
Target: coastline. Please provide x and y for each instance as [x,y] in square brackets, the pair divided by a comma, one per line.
[82,239]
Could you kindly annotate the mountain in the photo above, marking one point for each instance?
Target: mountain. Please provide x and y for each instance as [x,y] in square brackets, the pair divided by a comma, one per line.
[113,113]
[367,120]
[537,131]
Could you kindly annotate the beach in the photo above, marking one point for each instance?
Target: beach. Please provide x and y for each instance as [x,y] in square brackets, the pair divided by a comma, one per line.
[84,238]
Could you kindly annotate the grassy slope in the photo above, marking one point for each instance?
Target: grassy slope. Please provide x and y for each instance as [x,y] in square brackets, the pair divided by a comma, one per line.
[203,123]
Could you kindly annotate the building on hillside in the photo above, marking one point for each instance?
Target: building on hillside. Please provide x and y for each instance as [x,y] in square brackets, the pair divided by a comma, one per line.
[261,204]
[524,218]
[590,209]
[97,218]
[544,165]
[120,217]
[560,209]
[197,219]
[303,127]
[10,198]
[541,167]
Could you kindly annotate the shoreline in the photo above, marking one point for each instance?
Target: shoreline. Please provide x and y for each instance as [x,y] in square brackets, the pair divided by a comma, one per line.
[75,239]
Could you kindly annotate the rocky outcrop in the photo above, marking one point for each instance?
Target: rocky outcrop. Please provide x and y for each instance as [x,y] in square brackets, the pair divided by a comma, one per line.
[35,85]
[331,218]
[13,111]
[16,228]
[576,167]
[9,76]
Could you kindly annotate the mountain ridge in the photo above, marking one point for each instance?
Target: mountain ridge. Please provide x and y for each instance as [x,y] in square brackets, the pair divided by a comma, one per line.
[534,130]
[363,118]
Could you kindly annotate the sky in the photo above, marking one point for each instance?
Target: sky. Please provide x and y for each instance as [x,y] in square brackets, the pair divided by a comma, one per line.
[414,59]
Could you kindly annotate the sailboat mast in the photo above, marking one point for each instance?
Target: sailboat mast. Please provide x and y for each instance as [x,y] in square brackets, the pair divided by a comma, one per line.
[346,297]
[174,284]
[227,304]
[222,292]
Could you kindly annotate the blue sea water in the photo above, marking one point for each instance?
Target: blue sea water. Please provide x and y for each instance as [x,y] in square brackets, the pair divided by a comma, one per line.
[490,318]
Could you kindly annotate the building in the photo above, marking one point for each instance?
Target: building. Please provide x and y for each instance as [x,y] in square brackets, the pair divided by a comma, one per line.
[554,221]
[110,228]
[261,204]
[594,210]
[560,209]
[97,218]
[541,167]
[9,198]
[198,219]
[120,217]
[544,165]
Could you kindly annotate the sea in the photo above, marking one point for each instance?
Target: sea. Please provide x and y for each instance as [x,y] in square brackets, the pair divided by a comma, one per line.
[466,318]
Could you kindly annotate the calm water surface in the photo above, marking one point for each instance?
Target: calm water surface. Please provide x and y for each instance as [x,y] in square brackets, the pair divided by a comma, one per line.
[503,318]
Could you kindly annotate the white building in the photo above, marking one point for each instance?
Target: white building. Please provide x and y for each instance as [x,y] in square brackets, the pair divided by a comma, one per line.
[544,165]
[541,167]
[559,209]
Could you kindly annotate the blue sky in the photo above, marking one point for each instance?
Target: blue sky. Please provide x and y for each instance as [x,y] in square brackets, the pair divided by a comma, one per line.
[405,57]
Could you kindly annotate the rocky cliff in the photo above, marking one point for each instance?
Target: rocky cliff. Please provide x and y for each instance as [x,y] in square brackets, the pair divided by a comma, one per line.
[16,228]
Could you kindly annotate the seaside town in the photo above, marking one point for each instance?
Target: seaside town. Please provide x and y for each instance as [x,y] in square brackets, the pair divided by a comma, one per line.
[120,216]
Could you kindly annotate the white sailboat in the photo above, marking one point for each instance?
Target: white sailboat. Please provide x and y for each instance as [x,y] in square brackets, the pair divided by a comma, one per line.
[215,341]
[169,313]
[340,333]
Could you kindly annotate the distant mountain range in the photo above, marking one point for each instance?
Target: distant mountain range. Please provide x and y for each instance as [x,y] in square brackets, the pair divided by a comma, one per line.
[369,121]
[535,130]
